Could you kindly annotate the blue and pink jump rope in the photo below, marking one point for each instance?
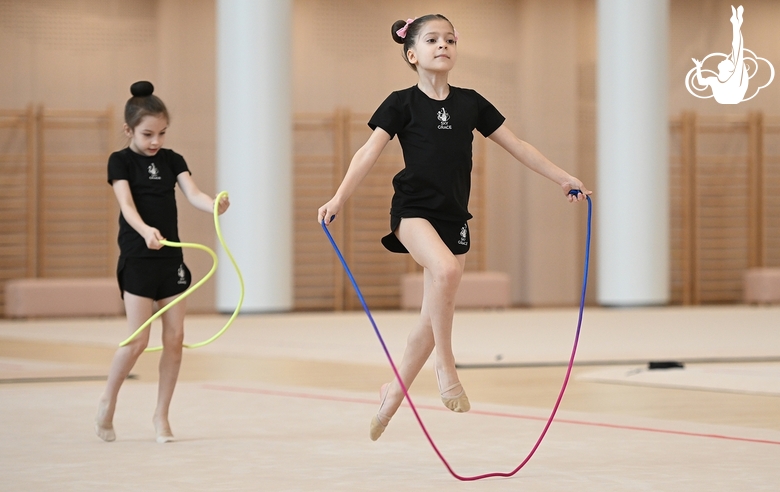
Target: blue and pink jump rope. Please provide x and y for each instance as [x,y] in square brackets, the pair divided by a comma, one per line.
[406,392]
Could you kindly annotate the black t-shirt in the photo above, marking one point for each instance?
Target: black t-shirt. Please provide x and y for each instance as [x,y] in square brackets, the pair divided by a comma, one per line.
[152,181]
[436,138]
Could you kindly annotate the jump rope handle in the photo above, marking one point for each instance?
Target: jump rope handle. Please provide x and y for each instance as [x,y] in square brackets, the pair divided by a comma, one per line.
[574,192]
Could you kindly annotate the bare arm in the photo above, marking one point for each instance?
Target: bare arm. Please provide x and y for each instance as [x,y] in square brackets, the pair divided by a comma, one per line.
[362,162]
[529,156]
[197,198]
[124,196]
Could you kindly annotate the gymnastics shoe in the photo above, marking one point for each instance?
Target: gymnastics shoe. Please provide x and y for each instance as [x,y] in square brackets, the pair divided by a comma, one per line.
[163,432]
[458,403]
[377,427]
[163,438]
[105,433]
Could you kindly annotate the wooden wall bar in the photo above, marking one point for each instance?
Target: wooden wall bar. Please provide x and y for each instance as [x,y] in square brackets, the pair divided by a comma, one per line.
[771,191]
[17,195]
[58,214]
[721,175]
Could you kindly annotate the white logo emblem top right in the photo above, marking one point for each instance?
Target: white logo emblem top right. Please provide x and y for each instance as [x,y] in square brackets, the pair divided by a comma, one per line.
[735,70]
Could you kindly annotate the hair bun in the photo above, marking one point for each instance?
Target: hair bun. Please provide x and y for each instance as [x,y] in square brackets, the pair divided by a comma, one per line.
[142,89]
[399,24]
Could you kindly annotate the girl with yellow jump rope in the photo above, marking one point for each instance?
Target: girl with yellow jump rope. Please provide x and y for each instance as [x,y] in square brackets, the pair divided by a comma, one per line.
[143,177]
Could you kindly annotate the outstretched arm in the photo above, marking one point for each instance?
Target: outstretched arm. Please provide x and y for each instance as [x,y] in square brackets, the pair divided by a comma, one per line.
[197,198]
[362,162]
[529,156]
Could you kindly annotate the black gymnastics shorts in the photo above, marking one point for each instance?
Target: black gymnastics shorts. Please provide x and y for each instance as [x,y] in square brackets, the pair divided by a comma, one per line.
[455,235]
[154,278]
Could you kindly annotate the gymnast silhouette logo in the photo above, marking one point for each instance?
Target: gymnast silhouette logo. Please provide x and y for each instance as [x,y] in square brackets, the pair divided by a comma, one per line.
[154,173]
[444,119]
[463,235]
[182,276]
[730,84]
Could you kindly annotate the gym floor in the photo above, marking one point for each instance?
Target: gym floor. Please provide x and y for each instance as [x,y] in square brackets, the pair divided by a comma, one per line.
[283,402]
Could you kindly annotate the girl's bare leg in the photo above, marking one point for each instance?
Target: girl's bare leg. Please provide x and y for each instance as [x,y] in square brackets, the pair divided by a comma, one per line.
[419,346]
[444,271]
[138,310]
[170,362]
[442,275]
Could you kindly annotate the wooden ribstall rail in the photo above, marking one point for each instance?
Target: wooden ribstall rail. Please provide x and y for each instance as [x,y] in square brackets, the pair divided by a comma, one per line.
[722,171]
[18,213]
[57,211]
[76,207]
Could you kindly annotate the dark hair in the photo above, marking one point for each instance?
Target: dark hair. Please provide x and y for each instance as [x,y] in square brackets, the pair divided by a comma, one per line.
[412,32]
[143,103]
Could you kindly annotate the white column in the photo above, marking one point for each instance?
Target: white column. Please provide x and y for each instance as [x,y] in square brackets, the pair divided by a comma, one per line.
[632,192]
[254,157]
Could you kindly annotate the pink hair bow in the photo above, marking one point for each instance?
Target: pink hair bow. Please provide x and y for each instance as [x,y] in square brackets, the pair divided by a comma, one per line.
[402,32]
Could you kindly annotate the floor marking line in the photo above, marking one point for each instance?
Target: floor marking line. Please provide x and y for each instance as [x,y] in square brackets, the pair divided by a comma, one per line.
[314,396]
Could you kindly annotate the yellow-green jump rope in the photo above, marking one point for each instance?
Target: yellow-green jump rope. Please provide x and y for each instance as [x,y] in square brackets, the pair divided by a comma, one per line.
[200,282]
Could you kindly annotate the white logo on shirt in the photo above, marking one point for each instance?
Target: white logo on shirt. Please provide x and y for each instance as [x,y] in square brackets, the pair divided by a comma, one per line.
[463,234]
[182,277]
[444,119]
[154,173]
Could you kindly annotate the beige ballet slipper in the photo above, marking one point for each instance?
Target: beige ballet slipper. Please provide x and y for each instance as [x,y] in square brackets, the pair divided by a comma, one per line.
[377,427]
[458,403]
[103,431]
[163,432]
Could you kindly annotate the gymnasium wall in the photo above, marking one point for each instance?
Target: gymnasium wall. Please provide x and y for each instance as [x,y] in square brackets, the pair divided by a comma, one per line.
[534,59]
[84,54]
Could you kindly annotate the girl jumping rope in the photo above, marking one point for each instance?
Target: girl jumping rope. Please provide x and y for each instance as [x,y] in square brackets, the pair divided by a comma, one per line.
[143,177]
[429,211]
